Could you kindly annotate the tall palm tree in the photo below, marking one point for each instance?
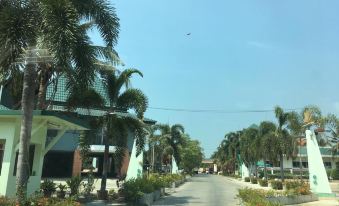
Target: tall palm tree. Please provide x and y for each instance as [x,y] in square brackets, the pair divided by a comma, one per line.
[283,145]
[115,127]
[248,147]
[266,134]
[24,27]
[172,139]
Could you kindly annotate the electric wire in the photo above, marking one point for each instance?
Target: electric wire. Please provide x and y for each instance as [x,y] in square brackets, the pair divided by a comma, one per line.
[220,111]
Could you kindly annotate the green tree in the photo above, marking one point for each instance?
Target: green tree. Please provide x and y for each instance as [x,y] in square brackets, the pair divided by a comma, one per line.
[25,26]
[171,140]
[191,155]
[249,145]
[266,137]
[115,128]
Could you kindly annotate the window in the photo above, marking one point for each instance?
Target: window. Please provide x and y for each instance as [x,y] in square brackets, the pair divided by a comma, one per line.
[296,164]
[2,152]
[31,157]
[305,164]
[328,164]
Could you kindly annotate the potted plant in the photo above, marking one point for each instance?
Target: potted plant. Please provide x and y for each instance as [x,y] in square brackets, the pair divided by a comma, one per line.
[48,187]
[62,191]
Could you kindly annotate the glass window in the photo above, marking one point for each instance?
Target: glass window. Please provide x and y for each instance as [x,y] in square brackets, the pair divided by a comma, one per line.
[2,152]
[296,164]
[328,164]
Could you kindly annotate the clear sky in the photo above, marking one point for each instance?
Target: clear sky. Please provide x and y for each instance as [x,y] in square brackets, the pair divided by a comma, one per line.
[241,55]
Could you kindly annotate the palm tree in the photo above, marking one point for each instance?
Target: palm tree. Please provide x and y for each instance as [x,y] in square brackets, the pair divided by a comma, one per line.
[266,134]
[24,27]
[172,139]
[116,128]
[249,147]
[285,142]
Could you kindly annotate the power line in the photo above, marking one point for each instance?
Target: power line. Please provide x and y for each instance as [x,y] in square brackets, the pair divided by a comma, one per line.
[218,111]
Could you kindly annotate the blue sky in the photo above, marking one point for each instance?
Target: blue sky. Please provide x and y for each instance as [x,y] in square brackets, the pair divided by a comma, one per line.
[241,55]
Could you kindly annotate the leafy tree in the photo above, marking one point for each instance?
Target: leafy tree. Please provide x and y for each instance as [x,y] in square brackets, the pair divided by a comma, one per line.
[171,139]
[191,155]
[266,137]
[25,26]
[248,147]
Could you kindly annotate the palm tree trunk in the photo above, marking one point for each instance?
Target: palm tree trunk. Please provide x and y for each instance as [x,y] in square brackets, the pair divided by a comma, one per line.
[282,167]
[265,169]
[105,162]
[42,90]
[25,132]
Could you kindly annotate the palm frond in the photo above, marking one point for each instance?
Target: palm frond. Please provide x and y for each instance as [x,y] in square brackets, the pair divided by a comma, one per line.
[104,16]
[133,99]
[125,76]
[108,54]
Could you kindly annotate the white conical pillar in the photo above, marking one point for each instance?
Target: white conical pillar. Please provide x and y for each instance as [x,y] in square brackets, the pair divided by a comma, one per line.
[244,171]
[318,176]
[135,164]
[174,166]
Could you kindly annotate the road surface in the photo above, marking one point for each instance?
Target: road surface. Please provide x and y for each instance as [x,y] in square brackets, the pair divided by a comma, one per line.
[204,189]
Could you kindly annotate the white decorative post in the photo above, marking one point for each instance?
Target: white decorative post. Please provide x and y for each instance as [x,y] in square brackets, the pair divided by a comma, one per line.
[135,164]
[174,166]
[318,177]
[244,171]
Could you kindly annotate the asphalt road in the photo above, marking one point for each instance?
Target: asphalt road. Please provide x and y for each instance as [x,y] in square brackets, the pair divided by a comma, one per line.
[204,189]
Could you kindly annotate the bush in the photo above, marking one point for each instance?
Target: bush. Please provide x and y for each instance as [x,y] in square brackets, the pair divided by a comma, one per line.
[335,172]
[5,201]
[247,179]
[48,187]
[254,180]
[263,183]
[297,188]
[276,184]
[252,197]
[37,200]
[113,195]
[131,190]
[74,185]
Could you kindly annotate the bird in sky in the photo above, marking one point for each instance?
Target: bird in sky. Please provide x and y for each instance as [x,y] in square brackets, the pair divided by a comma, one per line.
[188,34]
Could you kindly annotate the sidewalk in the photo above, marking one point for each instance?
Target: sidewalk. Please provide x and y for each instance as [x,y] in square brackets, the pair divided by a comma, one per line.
[321,202]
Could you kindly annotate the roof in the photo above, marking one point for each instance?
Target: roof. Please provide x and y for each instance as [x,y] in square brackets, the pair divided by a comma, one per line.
[66,117]
[61,94]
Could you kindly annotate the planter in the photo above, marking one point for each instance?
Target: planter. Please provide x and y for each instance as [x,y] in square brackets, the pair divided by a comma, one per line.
[156,195]
[162,191]
[147,199]
[102,195]
[173,185]
[177,183]
[291,200]
[61,194]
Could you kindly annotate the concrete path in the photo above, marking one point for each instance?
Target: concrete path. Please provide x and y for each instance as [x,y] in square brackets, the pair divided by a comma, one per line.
[204,189]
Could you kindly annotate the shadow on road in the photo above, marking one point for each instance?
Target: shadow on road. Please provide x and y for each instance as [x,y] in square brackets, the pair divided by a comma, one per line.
[184,200]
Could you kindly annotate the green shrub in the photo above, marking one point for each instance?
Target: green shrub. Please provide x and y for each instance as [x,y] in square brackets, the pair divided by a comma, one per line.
[247,179]
[335,172]
[276,184]
[254,180]
[297,188]
[112,194]
[5,201]
[131,190]
[263,183]
[252,197]
[48,187]
[74,184]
